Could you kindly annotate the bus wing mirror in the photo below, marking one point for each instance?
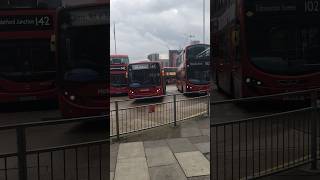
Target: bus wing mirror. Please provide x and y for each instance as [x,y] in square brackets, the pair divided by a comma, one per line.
[53,43]
[235,38]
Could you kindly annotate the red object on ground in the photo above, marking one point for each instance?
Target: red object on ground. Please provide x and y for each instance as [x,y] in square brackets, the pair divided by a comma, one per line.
[152,108]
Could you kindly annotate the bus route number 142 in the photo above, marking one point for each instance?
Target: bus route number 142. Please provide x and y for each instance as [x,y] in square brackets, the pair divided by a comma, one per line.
[43,21]
[311,6]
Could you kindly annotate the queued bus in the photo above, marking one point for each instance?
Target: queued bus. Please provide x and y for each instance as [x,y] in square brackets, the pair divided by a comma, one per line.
[118,74]
[118,79]
[170,74]
[82,47]
[266,47]
[193,74]
[146,79]
[27,69]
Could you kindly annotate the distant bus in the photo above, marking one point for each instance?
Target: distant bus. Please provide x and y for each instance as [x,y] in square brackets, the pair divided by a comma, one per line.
[27,66]
[118,79]
[266,47]
[193,74]
[170,74]
[118,74]
[146,79]
[82,47]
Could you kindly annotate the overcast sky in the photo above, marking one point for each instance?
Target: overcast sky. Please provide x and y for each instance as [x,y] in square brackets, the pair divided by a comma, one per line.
[149,26]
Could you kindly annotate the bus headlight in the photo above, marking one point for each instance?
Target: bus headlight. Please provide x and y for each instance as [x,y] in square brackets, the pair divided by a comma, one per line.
[72,98]
[259,83]
[66,93]
[253,82]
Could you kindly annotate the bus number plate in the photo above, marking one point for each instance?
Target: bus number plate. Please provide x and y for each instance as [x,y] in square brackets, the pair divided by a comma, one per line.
[144,90]
[28,98]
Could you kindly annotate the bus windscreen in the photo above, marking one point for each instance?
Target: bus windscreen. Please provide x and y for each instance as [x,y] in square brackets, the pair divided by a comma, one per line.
[85,51]
[82,41]
[285,49]
[119,60]
[5,4]
[144,75]
[198,66]
[26,60]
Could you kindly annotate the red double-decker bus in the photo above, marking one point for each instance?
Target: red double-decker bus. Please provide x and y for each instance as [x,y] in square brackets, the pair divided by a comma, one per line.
[193,73]
[146,79]
[266,47]
[27,69]
[118,79]
[118,74]
[82,46]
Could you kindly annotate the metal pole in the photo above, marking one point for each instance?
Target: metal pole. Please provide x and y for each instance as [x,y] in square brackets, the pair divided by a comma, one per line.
[208,104]
[314,131]
[21,145]
[204,21]
[117,120]
[175,110]
[114,35]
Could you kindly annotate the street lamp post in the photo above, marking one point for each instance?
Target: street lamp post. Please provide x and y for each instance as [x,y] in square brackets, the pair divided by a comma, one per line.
[114,35]
[204,21]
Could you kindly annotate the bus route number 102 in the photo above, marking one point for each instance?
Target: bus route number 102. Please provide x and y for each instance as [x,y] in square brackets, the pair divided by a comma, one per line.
[311,5]
[43,21]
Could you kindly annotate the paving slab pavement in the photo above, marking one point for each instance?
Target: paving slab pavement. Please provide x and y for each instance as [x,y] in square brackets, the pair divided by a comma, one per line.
[159,156]
[132,168]
[203,147]
[183,157]
[181,145]
[169,172]
[131,150]
[193,163]
[190,132]
[200,178]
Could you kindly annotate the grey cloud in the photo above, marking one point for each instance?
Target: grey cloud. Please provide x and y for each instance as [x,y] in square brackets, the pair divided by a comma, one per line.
[147,26]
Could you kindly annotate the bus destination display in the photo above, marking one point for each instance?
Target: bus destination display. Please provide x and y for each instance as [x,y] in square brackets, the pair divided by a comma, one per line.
[200,63]
[89,17]
[143,66]
[303,6]
[25,22]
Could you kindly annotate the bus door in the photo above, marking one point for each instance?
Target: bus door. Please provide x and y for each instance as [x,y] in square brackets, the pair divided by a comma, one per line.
[236,74]
[224,64]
